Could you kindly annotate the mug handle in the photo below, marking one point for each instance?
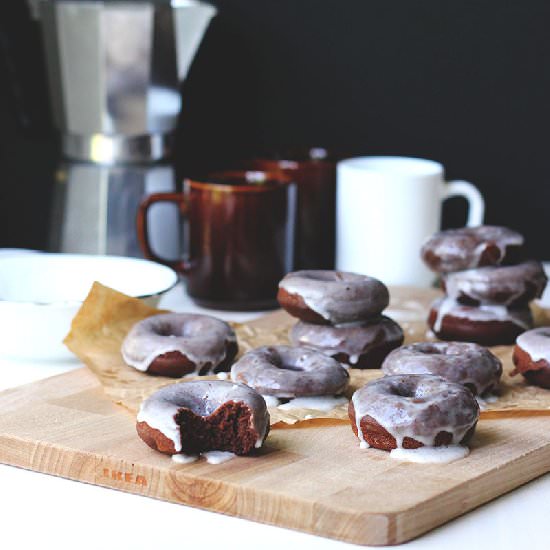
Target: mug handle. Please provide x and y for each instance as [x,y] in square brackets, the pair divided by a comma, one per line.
[143,228]
[476,204]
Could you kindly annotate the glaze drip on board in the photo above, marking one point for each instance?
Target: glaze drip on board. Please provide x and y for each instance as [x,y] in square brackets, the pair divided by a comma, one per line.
[431,455]
[212,457]
[318,403]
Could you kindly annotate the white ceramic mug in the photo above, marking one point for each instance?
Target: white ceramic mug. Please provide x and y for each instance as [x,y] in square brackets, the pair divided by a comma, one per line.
[386,208]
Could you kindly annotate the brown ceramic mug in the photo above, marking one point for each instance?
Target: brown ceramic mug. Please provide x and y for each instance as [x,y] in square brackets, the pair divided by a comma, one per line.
[239,234]
[314,172]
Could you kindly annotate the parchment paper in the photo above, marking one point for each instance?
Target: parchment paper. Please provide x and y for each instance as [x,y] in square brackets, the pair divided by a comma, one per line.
[106,316]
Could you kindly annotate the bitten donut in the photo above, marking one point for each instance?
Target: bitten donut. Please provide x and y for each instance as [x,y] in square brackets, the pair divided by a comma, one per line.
[200,416]
[332,297]
[532,356]
[177,344]
[362,346]
[287,372]
[463,363]
[471,247]
[488,325]
[511,286]
[413,411]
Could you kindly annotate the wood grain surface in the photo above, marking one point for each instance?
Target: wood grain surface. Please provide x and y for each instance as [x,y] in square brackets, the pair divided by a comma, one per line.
[313,479]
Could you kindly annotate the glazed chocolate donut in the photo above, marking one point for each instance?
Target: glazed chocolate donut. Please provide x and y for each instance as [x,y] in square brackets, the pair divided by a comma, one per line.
[471,247]
[412,411]
[532,356]
[463,363]
[332,297]
[488,325]
[362,346]
[178,344]
[511,286]
[287,372]
[199,416]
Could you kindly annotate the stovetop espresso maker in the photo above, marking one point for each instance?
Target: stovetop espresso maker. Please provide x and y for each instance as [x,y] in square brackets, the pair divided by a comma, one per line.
[115,69]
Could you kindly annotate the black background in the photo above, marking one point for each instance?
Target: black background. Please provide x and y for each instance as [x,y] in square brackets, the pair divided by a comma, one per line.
[466,83]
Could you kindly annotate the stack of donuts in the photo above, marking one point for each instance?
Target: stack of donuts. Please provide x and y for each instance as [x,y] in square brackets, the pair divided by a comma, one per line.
[340,314]
[487,287]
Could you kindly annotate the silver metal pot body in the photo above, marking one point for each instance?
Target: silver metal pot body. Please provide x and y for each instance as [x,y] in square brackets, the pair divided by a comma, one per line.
[95,210]
[114,72]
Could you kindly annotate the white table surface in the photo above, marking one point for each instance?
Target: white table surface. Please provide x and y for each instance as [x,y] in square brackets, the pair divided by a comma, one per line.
[50,512]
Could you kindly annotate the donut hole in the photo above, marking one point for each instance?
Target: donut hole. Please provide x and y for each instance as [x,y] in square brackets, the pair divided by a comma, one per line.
[164,329]
[431,349]
[286,366]
[403,390]
[285,361]
[188,329]
[439,348]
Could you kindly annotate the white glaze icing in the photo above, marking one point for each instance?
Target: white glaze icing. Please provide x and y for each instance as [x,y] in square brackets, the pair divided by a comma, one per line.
[182,458]
[460,362]
[218,457]
[485,400]
[417,406]
[363,444]
[202,397]
[481,314]
[354,341]
[321,403]
[431,455]
[498,285]
[271,401]
[212,457]
[287,372]
[459,249]
[444,306]
[338,296]
[201,338]
[536,343]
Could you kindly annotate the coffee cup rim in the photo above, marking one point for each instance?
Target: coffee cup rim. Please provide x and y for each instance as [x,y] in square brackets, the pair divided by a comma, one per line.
[273,180]
[410,166]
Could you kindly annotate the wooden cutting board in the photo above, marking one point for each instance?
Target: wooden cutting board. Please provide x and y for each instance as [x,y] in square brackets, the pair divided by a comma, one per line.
[316,480]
